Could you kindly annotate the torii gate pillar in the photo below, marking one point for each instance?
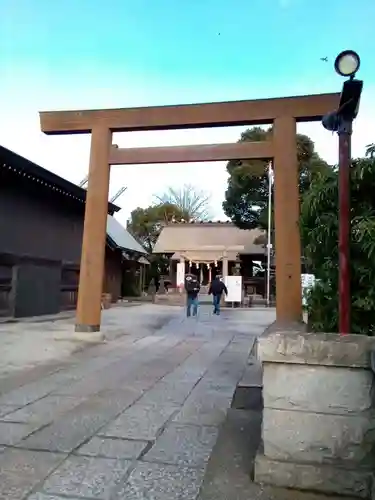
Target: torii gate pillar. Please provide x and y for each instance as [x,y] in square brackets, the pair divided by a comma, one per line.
[94,233]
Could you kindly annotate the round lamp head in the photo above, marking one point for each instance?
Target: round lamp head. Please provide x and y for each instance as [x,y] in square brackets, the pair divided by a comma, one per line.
[347,63]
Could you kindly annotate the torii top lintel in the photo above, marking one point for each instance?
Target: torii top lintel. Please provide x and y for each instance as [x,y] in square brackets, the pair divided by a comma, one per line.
[219,114]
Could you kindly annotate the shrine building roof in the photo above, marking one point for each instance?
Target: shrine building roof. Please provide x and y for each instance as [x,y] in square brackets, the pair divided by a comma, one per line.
[195,240]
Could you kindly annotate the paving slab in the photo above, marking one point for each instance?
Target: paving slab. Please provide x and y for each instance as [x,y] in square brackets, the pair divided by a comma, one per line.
[167,393]
[70,430]
[193,369]
[186,445]
[6,409]
[113,448]
[120,369]
[43,496]
[29,392]
[161,482]
[44,410]
[205,407]
[87,477]
[140,422]
[22,470]
[12,433]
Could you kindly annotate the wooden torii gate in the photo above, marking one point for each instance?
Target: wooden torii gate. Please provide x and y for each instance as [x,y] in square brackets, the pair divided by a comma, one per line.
[282,113]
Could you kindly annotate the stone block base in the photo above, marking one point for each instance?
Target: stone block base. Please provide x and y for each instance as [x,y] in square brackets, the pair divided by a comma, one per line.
[318,429]
[89,336]
[321,478]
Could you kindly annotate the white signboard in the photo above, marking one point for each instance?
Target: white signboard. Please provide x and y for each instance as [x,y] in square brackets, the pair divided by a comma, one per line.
[234,285]
[180,274]
[307,282]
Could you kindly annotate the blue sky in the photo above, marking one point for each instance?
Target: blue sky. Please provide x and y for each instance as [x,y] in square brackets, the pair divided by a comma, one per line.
[118,53]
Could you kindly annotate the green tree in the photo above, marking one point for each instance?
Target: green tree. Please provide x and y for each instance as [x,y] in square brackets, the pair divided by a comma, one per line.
[246,197]
[370,150]
[145,223]
[193,202]
[319,233]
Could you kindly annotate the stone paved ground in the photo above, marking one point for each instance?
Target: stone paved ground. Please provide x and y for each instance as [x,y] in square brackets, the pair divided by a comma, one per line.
[30,342]
[135,418]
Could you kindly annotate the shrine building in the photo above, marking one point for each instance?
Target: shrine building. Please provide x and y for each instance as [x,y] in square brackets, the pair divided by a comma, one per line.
[214,248]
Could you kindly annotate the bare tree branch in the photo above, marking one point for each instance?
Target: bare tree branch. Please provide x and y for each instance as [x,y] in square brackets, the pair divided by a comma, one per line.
[190,200]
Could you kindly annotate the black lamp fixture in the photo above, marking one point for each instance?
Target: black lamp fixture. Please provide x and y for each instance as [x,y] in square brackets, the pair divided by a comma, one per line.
[347,64]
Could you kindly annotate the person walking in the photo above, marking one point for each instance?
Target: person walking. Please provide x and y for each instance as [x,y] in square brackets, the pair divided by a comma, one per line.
[192,288]
[217,287]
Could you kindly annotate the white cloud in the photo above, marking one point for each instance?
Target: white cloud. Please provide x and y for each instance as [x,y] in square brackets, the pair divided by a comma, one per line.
[68,156]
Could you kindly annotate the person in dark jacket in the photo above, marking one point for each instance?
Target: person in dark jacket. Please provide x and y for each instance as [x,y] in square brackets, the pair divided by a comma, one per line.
[217,288]
[192,288]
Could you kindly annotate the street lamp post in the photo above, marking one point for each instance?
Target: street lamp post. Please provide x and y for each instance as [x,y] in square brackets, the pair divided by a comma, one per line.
[341,121]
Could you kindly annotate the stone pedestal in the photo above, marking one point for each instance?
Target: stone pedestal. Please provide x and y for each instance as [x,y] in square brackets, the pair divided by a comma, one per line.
[88,337]
[318,423]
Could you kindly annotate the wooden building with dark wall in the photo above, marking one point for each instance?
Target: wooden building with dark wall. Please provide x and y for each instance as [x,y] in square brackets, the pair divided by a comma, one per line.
[41,228]
[125,263]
